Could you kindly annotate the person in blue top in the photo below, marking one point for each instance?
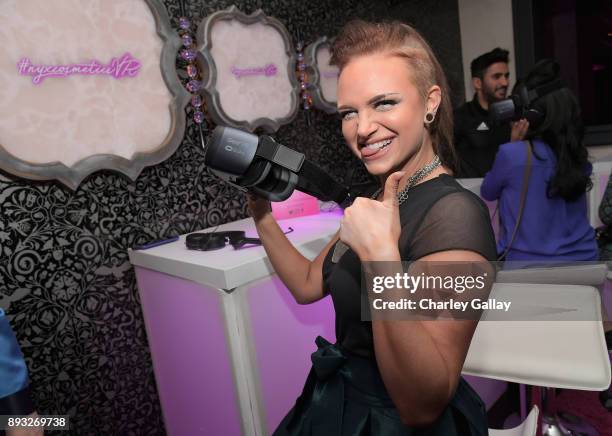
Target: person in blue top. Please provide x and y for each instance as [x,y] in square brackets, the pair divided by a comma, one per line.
[14,387]
[554,224]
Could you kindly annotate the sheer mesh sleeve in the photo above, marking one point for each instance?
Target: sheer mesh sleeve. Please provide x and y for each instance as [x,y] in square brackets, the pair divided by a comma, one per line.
[457,221]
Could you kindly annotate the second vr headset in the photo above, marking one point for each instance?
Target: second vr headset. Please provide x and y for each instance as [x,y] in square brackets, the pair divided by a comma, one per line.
[269,169]
[519,104]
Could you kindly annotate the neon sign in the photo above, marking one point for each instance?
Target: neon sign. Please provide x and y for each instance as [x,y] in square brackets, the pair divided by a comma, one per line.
[118,68]
[268,70]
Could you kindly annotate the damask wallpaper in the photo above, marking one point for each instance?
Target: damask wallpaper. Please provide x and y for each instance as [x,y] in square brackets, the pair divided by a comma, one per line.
[65,279]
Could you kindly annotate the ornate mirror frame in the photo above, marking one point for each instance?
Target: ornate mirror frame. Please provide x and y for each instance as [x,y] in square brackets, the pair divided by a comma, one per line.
[210,71]
[72,175]
[316,73]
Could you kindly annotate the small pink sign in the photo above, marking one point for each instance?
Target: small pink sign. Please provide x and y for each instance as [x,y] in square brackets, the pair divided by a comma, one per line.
[268,70]
[299,204]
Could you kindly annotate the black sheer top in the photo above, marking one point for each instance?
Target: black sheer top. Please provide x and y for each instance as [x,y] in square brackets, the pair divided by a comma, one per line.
[438,215]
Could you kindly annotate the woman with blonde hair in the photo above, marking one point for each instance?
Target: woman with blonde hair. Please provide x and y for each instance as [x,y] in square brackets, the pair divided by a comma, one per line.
[388,377]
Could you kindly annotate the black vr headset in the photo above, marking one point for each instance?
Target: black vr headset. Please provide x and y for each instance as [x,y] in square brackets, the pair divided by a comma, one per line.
[519,104]
[267,168]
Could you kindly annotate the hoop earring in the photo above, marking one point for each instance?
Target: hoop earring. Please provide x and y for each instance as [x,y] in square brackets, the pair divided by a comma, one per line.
[429,117]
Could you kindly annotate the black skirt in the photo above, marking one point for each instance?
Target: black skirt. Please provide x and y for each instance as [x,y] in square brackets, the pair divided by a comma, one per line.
[345,395]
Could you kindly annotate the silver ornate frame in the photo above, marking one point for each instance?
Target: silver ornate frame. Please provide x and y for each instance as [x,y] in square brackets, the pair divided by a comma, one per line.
[310,58]
[209,69]
[72,176]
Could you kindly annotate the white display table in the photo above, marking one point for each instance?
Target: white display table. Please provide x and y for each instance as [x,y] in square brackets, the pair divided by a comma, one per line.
[230,347]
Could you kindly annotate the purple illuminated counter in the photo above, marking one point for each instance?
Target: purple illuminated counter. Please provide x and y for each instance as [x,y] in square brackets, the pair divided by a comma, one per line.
[230,347]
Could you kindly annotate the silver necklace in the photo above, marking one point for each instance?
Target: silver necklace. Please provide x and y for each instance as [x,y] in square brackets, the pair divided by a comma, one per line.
[414,179]
[340,248]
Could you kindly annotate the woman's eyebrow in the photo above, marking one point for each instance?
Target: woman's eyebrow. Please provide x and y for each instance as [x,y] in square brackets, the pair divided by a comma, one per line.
[373,99]
[343,107]
[381,96]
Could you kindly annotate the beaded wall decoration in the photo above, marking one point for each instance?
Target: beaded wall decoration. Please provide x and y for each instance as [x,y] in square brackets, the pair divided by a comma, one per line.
[193,80]
[302,75]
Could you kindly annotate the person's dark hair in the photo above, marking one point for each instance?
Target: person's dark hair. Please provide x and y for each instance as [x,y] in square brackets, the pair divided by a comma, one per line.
[484,61]
[562,129]
[360,37]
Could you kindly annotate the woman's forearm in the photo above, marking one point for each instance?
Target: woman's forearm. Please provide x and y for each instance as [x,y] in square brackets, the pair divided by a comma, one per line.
[303,280]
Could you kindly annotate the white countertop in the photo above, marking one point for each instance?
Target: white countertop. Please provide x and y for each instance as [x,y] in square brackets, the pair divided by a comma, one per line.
[227,268]
[600,153]
[471,184]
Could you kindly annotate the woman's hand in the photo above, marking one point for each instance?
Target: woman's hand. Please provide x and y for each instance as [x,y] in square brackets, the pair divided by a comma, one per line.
[371,227]
[519,130]
[258,206]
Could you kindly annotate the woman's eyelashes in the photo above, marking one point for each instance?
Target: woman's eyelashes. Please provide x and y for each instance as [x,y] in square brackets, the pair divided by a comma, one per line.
[347,115]
[380,106]
[385,105]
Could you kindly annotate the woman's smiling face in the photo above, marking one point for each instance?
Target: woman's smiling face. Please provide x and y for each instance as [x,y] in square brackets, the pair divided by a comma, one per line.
[382,112]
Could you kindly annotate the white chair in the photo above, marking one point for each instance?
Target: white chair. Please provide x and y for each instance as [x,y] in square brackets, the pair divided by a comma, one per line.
[559,343]
[529,427]
[589,274]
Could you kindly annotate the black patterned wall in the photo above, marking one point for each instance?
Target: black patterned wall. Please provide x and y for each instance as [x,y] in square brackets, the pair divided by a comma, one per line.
[65,277]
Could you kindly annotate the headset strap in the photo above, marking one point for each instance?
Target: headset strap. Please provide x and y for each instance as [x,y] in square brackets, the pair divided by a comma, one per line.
[311,179]
[314,181]
[544,89]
